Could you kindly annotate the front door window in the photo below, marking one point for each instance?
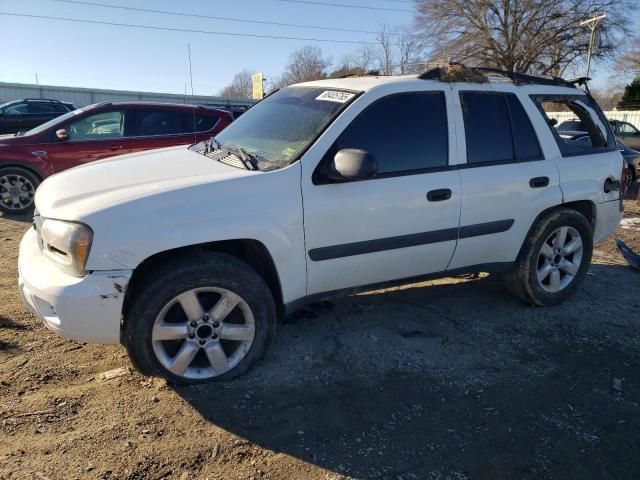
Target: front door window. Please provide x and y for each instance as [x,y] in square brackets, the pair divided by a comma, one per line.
[101,126]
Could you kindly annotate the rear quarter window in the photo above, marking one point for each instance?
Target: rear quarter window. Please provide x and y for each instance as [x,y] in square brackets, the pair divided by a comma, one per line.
[588,118]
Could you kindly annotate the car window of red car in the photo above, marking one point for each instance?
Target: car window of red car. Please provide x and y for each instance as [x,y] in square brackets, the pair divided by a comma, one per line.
[101,126]
[154,122]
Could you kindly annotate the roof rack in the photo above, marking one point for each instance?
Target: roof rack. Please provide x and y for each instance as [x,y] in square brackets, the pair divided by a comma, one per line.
[52,100]
[443,71]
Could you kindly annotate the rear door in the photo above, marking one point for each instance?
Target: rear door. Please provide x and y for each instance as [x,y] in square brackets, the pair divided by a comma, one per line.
[41,112]
[160,127]
[506,180]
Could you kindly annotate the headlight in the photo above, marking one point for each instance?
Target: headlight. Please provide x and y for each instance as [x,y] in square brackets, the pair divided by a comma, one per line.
[66,243]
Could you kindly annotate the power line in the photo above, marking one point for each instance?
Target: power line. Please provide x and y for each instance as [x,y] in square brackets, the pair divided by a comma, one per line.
[212,17]
[170,29]
[347,5]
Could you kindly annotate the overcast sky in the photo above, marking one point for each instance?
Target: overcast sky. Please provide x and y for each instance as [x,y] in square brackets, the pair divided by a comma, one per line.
[106,56]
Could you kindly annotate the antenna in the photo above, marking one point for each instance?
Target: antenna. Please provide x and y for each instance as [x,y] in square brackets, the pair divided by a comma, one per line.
[193,105]
[592,23]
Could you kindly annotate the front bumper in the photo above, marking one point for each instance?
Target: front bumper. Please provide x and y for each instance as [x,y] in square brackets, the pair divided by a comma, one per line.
[87,309]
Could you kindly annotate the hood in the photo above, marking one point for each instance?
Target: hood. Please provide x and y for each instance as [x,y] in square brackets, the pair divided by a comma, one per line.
[84,190]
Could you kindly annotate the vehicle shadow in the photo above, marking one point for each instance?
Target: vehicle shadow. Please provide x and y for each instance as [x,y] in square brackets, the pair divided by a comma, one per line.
[17,218]
[449,380]
[9,324]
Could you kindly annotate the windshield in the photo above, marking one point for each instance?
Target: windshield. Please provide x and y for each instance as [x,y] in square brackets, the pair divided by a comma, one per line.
[284,124]
[50,123]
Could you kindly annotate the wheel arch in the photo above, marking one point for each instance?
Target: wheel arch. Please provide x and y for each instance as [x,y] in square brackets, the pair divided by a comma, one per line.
[25,166]
[253,252]
[585,207]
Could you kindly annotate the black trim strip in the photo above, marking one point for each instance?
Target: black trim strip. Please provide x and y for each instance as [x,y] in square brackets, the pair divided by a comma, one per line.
[404,241]
[486,228]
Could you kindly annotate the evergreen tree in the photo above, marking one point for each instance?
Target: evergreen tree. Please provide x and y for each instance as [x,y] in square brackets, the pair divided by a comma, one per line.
[631,98]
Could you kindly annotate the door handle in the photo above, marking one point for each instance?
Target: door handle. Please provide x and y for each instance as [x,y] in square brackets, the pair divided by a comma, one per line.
[115,148]
[539,182]
[439,195]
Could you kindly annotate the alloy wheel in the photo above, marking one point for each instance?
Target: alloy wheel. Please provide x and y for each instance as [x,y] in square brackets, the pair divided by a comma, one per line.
[203,333]
[559,259]
[16,192]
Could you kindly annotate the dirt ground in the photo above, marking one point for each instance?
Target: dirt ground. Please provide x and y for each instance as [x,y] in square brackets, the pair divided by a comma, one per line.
[448,379]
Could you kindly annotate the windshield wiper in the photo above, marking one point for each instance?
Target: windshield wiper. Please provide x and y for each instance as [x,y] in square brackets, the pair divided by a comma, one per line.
[248,160]
[211,144]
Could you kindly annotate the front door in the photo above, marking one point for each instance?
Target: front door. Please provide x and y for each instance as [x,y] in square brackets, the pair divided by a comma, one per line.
[628,134]
[90,138]
[401,223]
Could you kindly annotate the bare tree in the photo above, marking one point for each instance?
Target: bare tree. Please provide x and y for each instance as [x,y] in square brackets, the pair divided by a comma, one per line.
[240,87]
[305,64]
[629,62]
[362,59]
[536,36]
[607,99]
[409,47]
[384,52]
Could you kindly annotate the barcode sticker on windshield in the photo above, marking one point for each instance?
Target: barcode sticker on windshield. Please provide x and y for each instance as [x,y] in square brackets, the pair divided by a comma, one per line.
[335,96]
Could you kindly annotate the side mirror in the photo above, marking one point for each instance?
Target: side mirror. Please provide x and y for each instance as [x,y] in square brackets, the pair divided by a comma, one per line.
[352,164]
[553,122]
[62,134]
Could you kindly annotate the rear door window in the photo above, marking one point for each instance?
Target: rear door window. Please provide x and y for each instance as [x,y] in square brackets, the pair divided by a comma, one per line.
[497,129]
[525,140]
[161,122]
[42,108]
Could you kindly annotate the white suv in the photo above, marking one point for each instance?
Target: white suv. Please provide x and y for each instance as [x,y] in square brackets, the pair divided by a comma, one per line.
[187,256]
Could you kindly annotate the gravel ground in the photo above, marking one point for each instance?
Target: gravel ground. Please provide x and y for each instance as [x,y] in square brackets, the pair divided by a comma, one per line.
[447,379]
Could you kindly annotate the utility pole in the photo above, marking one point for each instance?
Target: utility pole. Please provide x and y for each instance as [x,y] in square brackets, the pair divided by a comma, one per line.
[592,23]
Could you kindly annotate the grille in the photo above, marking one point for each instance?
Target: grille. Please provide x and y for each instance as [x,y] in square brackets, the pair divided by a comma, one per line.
[229,159]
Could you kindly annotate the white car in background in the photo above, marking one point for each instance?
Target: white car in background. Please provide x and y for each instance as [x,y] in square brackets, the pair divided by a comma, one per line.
[187,256]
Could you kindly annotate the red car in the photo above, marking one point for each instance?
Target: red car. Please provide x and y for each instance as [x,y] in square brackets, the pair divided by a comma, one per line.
[93,133]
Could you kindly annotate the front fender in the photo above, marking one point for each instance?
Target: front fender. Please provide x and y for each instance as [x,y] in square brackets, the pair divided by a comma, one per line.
[267,209]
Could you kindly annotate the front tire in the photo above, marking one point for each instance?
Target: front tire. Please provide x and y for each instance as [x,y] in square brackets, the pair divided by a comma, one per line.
[554,259]
[17,190]
[205,318]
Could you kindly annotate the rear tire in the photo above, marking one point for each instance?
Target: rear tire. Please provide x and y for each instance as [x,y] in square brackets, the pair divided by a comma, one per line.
[17,190]
[205,318]
[554,259]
